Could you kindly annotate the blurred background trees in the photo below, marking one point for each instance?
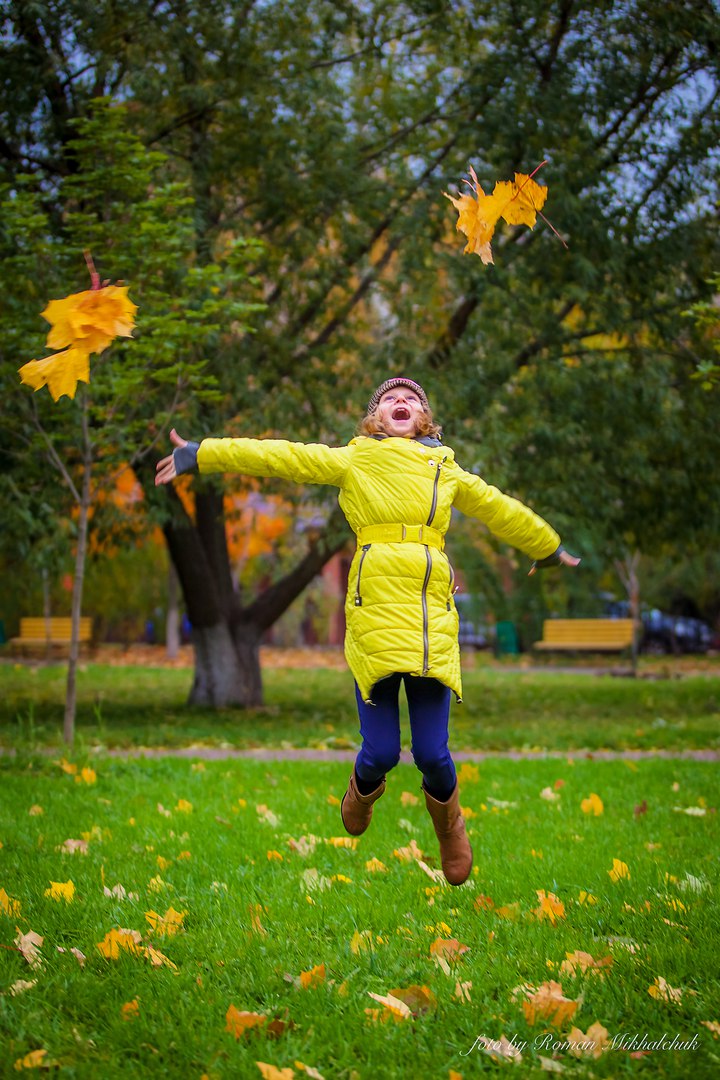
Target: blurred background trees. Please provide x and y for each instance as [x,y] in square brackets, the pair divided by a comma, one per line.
[317,138]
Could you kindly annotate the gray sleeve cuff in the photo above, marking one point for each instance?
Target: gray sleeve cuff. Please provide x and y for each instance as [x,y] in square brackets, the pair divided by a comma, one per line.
[185,457]
[549,560]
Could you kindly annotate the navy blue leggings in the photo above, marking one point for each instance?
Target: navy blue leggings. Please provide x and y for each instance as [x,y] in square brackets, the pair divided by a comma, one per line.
[429,708]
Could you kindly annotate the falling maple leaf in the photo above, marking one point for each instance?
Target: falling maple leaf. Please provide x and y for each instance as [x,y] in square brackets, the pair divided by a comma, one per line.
[238,1022]
[592,805]
[516,202]
[81,324]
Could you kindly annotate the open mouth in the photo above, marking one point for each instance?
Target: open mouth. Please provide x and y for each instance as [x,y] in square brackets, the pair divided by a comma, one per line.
[401,413]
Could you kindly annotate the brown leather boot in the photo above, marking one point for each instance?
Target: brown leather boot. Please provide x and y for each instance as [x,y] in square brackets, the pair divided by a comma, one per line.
[356,809]
[455,851]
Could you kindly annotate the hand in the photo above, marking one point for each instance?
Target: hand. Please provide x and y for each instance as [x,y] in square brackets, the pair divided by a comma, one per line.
[165,469]
[564,558]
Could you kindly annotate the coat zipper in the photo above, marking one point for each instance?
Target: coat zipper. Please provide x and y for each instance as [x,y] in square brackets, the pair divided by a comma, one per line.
[428,570]
[358,597]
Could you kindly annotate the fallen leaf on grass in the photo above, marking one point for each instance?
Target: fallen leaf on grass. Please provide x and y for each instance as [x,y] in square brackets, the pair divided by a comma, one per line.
[270,1072]
[314,977]
[313,881]
[130,1010]
[375,866]
[584,962]
[73,847]
[166,925]
[592,805]
[255,913]
[592,1044]
[548,1003]
[549,795]
[662,991]
[586,898]
[157,885]
[86,776]
[619,871]
[309,1071]
[79,956]
[693,811]
[407,854]
[266,814]
[120,940]
[238,1022]
[361,941]
[484,903]
[499,1049]
[462,991]
[550,1065]
[34,1060]
[22,985]
[446,952]
[419,999]
[432,872]
[184,807]
[509,911]
[550,907]
[8,905]
[332,800]
[35,811]
[304,846]
[61,890]
[119,893]
[343,841]
[393,1008]
[468,774]
[274,856]
[711,1025]
[29,945]
[158,959]
[408,799]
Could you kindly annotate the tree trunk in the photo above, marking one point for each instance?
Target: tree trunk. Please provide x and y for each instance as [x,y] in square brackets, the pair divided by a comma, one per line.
[627,569]
[225,633]
[172,620]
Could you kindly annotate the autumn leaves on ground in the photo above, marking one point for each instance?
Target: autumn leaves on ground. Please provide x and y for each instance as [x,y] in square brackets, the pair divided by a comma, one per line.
[192,919]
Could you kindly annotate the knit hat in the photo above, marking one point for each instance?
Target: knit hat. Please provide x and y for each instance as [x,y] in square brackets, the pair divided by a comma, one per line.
[389,384]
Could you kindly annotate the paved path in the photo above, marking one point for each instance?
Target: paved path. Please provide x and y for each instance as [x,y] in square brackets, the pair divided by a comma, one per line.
[220,753]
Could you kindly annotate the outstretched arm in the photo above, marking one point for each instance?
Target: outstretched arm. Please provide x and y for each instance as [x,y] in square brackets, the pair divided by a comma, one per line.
[303,463]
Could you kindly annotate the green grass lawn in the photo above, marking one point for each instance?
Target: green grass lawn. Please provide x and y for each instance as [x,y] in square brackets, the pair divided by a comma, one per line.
[261,908]
[122,707]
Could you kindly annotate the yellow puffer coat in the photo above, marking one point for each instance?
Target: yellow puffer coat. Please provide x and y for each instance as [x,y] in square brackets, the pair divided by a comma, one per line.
[399,609]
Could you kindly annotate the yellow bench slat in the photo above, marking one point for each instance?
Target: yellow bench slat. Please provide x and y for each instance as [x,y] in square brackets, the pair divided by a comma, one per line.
[586,634]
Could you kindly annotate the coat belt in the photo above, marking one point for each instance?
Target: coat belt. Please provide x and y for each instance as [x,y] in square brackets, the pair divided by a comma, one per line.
[397,533]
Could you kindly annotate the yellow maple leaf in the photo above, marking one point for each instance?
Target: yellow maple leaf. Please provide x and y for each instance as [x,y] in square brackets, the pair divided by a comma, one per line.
[60,373]
[592,1044]
[375,866]
[117,940]
[34,1060]
[91,319]
[592,805]
[8,905]
[87,776]
[515,201]
[619,871]
[184,807]
[419,999]
[394,1008]
[550,908]
[361,940]
[158,959]
[238,1022]
[130,1010]
[270,1072]
[61,890]
[166,925]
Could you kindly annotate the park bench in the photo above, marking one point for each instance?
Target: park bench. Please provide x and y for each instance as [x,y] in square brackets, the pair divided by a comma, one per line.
[586,635]
[40,633]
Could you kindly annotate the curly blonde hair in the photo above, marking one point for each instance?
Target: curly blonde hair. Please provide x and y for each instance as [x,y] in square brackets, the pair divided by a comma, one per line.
[370,425]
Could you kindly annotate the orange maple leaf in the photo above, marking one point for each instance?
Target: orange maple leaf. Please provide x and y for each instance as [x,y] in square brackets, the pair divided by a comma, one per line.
[547,1002]
[238,1022]
[550,908]
[314,977]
